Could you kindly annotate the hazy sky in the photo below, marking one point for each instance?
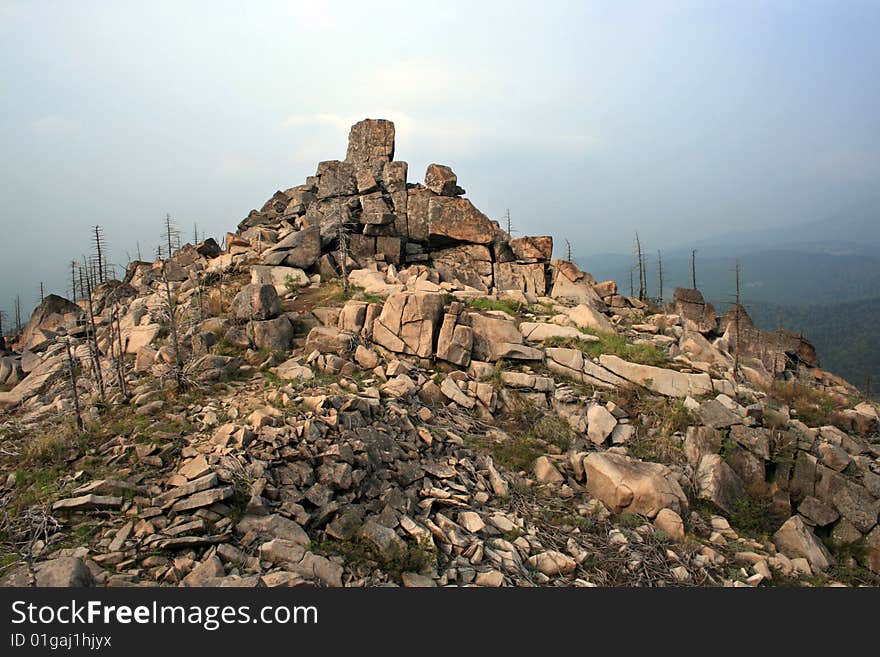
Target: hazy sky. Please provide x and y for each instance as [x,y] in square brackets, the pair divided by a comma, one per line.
[588,120]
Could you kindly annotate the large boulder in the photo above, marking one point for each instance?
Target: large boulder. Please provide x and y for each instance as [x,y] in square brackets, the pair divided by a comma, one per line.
[530,279]
[532,249]
[136,337]
[657,379]
[272,334]
[335,178]
[453,219]
[327,215]
[585,316]
[299,249]
[330,340]
[795,539]
[573,364]
[54,312]
[624,484]
[717,482]
[417,223]
[409,322]
[455,341]
[256,302]
[496,336]
[283,279]
[700,351]
[441,180]
[466,264]
[571,285]
[65,572]
[695,313]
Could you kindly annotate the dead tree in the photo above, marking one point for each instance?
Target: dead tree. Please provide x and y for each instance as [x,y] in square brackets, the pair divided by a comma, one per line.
[2,319]
[100,258]
[694,269]
[72,372]
[170,233]
[507,222]
[660,276]
[138,245]
[195,233]
[640,263]
[17,315]
[42,292]
[92,332]
[631,290]
[567,251]
[73,280]
[172,321]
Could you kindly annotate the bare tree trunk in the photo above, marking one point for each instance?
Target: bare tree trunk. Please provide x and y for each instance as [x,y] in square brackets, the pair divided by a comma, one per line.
[73,280]
[178,356]
[694,269]
[660,275]
[96,352]
[99,249]
[72,372]
[641,264]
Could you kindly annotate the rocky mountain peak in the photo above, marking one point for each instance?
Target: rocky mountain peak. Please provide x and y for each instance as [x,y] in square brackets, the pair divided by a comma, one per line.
[371,382]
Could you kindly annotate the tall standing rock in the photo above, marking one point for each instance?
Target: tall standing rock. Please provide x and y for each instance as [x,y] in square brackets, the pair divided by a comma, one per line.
[370,142]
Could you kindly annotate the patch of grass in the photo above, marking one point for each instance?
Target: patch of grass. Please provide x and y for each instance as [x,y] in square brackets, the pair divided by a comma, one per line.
[612,343]
[495,377]
[813,407]
[225,347]
[411,558]
[561,517]
[291,284]
[541,309]
[629,520]
[514,453]
[529,431]
[506,305]
[657,420]
[755,516]
[532,423]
